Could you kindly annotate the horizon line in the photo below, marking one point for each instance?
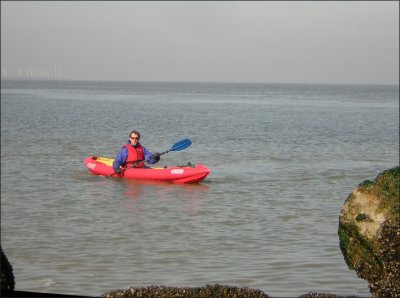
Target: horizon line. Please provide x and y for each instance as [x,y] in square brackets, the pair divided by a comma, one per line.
[38,79]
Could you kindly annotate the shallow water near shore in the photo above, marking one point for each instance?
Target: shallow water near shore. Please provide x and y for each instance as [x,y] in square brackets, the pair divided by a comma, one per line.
[283,159]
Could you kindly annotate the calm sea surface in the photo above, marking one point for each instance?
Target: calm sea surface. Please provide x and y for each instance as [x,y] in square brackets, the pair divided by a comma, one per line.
[283,157]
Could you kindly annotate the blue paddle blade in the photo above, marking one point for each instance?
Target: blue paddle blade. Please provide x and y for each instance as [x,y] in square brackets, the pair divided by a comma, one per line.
[182,144]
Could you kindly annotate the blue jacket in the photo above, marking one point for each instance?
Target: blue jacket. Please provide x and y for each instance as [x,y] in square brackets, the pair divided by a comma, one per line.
[121,157]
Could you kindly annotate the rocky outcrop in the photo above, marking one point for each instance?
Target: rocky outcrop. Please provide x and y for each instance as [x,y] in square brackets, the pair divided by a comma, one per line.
[209,291]
[7,276]
[369,233]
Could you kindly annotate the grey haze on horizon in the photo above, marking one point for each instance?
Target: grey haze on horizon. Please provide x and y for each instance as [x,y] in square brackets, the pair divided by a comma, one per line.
[227,41]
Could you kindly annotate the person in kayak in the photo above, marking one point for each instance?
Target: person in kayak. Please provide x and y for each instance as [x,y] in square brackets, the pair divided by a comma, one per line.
[132,153]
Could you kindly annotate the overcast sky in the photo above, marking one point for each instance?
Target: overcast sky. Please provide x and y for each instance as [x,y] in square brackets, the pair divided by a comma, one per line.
[228,41]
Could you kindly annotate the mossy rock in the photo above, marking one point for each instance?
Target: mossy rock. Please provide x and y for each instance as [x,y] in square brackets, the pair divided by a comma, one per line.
[369,232]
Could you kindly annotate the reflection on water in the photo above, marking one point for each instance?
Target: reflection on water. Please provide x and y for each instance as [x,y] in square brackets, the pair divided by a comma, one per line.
[188,196]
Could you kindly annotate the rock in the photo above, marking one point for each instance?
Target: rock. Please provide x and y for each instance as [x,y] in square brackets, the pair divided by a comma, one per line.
[7,276]
[209,291]
[369,233]
[324,295]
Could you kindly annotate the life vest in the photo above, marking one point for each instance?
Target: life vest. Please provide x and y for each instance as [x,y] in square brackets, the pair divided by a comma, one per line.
[134,154]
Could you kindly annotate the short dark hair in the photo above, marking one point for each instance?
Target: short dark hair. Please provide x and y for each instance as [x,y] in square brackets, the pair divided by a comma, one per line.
[135,132]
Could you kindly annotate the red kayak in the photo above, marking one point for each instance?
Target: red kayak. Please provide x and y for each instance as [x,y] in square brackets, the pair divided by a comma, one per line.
[177,174]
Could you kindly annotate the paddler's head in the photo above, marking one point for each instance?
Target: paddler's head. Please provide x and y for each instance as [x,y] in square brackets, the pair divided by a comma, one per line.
[134,138]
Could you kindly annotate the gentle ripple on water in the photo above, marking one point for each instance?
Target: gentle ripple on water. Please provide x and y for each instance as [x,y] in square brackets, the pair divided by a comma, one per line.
[283,159]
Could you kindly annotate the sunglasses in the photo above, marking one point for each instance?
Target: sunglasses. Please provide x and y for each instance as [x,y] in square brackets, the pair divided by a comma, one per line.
[134,138]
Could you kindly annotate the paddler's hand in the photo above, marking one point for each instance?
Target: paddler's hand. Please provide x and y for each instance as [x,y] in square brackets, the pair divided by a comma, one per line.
[156,156]
[118,171]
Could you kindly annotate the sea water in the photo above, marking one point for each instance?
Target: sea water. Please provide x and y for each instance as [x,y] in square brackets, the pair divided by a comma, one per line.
[283,157]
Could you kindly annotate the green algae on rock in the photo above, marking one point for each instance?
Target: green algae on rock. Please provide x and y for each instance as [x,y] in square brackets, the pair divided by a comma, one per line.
[369,233]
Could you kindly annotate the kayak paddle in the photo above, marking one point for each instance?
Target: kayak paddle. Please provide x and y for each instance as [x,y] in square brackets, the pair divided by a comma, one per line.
[178,146]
